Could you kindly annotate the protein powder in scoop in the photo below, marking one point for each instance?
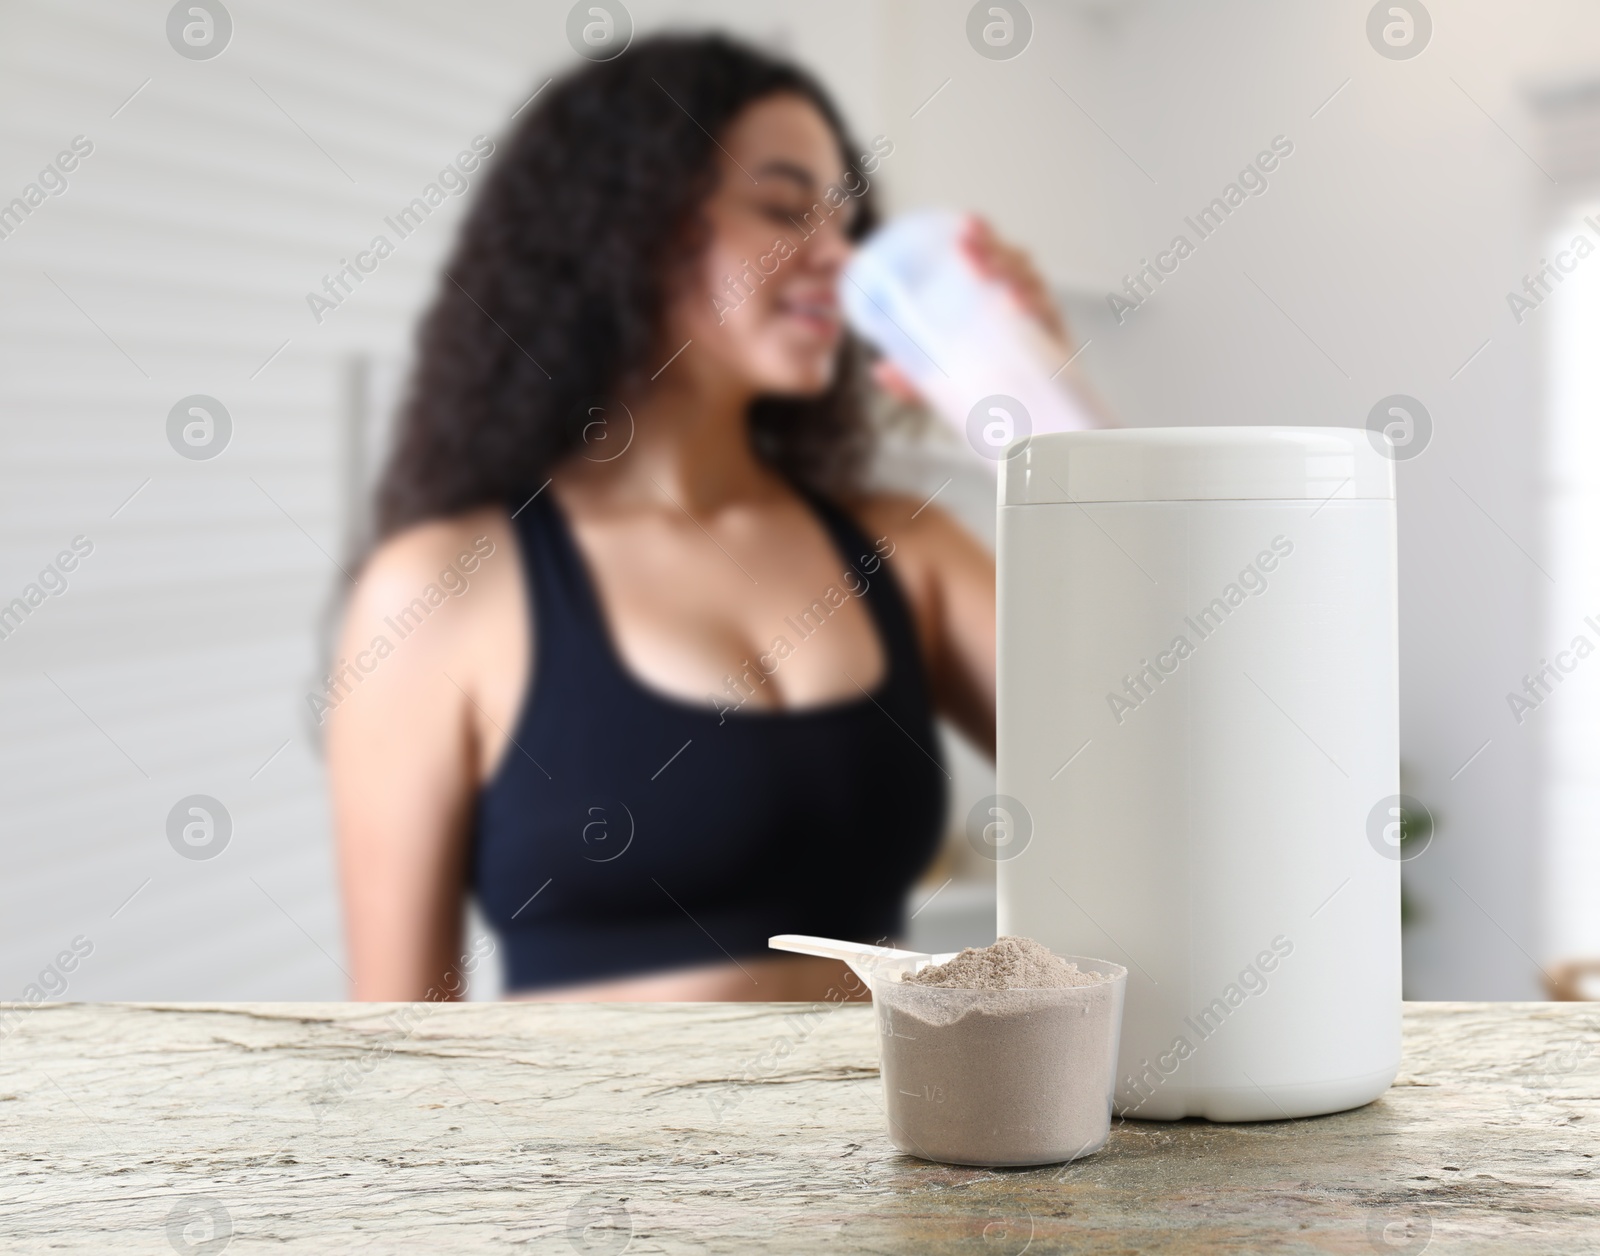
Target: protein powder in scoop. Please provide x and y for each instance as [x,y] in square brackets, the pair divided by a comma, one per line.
[1002,1056]
[1010,964]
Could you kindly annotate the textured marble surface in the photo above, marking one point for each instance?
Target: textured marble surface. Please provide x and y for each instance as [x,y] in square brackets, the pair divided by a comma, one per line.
[733,1128]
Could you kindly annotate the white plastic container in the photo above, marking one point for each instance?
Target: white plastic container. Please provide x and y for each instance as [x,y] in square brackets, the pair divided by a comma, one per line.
[986,366]
[1198,748]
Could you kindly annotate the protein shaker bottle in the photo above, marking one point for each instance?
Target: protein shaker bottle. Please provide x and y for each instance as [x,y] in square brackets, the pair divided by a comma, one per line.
[1198,753]
[978,359]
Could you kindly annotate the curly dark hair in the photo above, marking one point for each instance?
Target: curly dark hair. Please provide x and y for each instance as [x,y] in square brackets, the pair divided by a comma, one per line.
[554,294]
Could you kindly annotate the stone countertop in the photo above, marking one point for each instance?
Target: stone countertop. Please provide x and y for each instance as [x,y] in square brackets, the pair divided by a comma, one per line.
[738,1128]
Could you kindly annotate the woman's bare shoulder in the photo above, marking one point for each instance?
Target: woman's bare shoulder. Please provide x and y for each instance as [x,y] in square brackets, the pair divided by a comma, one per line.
[899,519]
[933,555]
[423,550]
[426,571]
[439,638]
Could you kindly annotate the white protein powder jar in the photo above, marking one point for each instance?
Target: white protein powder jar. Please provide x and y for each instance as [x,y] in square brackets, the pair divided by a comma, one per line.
[1198,753]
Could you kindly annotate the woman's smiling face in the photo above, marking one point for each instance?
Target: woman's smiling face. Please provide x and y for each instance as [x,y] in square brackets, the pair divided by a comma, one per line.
[761,304]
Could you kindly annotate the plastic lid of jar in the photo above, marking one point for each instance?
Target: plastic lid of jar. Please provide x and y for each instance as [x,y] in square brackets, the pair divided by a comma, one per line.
[1163,464]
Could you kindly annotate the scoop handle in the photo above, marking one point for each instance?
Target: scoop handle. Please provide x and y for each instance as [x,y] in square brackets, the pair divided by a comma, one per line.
[852,953]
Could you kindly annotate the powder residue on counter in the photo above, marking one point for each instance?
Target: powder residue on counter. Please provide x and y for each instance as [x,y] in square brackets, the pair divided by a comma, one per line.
[1010,964]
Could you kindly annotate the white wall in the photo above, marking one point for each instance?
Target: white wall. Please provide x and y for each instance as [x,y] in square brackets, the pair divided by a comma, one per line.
[190,236]
[1567,721]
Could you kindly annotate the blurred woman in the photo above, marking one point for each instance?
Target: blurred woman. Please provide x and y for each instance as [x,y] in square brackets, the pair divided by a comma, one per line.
[637,662]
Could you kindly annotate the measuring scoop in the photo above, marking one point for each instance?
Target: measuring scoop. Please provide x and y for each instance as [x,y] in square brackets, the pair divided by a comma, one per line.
[873,964]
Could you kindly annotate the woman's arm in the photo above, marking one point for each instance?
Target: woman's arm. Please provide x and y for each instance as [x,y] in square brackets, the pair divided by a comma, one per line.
[405,756]
[950,574]
[963,664]
[948,577]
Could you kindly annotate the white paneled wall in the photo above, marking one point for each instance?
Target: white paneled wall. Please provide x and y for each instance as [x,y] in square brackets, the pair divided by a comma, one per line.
[177,263]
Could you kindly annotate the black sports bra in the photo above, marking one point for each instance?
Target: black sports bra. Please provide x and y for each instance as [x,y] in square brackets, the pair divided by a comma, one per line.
[627,831]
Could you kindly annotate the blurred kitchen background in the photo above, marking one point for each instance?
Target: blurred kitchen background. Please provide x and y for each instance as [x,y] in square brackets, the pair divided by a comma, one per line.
[219,190]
